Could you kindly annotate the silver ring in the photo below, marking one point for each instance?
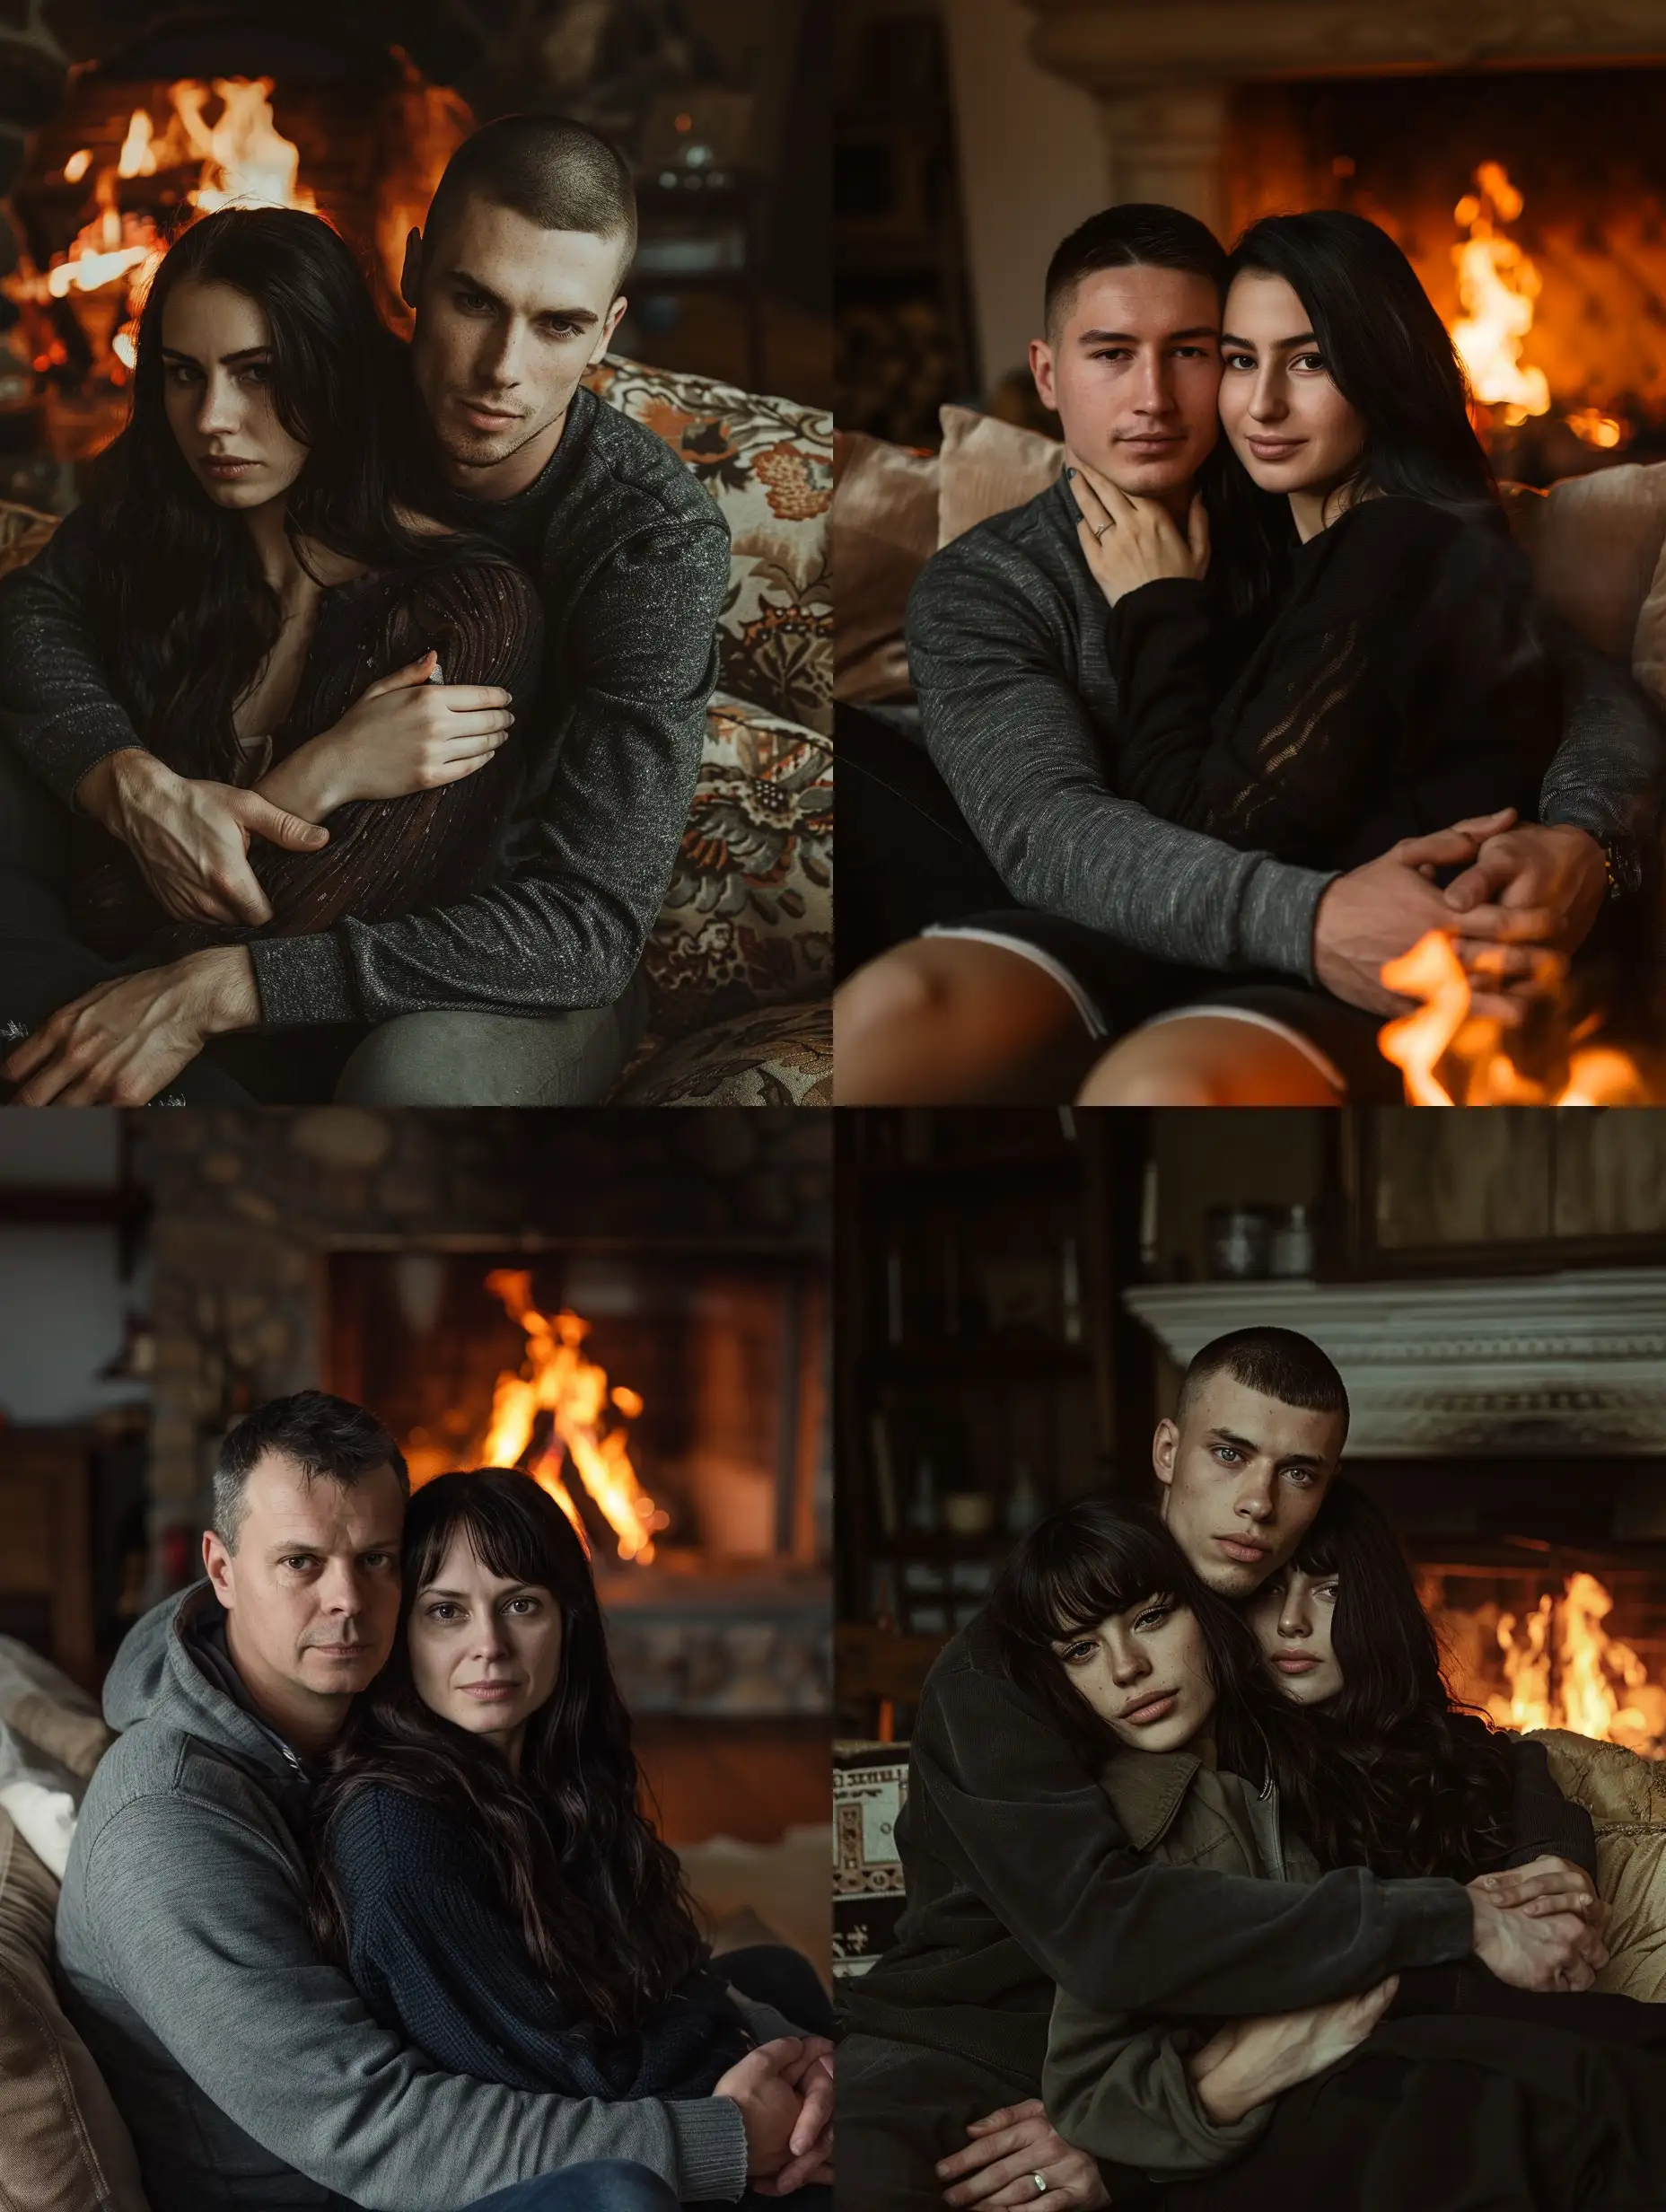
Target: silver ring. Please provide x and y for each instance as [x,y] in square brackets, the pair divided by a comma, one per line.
[1041,2179]
[1098,534]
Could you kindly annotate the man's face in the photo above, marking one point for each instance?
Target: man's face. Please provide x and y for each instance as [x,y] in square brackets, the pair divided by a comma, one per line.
[1243,1477]
[313,1585]
[509,317]
[1133,368]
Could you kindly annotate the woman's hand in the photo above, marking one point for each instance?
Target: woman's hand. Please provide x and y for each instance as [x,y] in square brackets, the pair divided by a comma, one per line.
[1127,541]
[1543,1886]
[769,2103]
[1008,2149]
[1247,2062]
[403,734]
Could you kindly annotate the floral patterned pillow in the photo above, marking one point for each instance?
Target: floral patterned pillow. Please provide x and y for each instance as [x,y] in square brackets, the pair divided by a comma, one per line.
[768,464]
[775,1056]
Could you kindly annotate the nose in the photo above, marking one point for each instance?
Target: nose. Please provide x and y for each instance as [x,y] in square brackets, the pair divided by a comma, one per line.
[1153,392]
[1128,1661]
[339,1589]
[1254,1501]
[219,414]
[500,361]
[1267,403]
[489,1640]
[1295,1620]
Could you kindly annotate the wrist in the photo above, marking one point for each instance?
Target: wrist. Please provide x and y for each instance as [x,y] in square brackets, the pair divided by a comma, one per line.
[113,787]
[307,782]
[220,988]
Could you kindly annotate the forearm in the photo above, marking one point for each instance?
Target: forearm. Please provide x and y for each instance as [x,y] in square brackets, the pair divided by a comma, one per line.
[1131,2099]
[58,709]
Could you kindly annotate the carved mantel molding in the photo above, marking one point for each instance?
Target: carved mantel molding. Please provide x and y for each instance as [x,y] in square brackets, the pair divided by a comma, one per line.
[1528,1366]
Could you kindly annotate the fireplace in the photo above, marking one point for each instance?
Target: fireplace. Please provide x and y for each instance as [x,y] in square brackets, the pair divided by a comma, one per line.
[183,119]
[1513,1430]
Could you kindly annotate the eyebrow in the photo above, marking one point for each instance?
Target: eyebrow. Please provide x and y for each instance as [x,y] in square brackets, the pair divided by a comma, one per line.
[1128,337]
[586,315]
[1279,345]
[517,1590]
[249,352]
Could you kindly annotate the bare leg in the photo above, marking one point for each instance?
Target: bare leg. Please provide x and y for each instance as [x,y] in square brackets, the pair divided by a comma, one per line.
[953,1022]
[1207,1059]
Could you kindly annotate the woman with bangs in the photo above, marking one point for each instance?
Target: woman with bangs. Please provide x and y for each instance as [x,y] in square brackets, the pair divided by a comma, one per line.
[485,1874]
[267,609]
[1414,2094]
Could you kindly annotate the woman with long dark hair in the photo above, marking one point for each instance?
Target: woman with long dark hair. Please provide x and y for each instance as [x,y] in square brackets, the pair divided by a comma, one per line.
[484,1871]
[259,592]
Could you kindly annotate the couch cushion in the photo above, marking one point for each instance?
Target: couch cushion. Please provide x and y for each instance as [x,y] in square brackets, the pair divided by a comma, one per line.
[987,467]
[870,1787]
[1625,1797]
[1595,542]
[884,524]
[768,464]
[776,1056]
[55,1715]
[65,2146]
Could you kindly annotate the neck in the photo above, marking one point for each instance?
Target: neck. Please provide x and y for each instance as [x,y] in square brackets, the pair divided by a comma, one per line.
[1320,506]
[504,478]
[511,1744]
[307,1722]
[1178,502]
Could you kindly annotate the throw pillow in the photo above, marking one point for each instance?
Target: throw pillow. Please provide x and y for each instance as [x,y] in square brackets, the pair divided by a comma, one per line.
[1625,1797]
[1595,543]
[884,531]
[870,1786]
[987,467]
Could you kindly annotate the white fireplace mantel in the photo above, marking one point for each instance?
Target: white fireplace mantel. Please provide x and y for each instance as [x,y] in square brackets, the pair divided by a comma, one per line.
[1525,1366]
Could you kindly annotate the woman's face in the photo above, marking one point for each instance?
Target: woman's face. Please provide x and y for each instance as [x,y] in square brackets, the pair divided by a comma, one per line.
[1145,1673]
[1292,1615]
[1288,424]
[486,1653]
[217,380]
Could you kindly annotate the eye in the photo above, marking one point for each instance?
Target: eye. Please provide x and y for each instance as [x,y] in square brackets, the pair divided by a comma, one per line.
[442,1608]
[1229,1454]
[1310,361]
[375,1559]
[183,373]
[559,326]
[1239,361]
[1303,1476]
[299,1560]
[1328,1591]
[1111,353]
[524,1606]
[1154,1616]
[472,303]
[257,373]
[1077,1654]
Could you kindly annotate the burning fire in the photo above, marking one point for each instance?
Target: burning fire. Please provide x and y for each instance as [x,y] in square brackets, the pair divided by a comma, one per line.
[1563,1670]
[557,1379]
[1497,284]
[1441,1044]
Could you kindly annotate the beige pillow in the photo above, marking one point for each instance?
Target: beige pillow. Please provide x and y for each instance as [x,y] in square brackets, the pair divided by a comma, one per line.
[1625,1797]
[1648,648]
[56,1714]
[1595,542]
[987,467]
[884,525]
[67,2148]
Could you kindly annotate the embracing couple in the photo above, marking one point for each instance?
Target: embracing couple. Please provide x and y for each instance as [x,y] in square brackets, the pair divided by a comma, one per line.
[1213,1892]
[351,725]
[362,1908]
[1251,698]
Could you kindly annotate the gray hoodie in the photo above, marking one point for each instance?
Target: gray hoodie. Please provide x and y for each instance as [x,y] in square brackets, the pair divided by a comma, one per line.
[248,2072]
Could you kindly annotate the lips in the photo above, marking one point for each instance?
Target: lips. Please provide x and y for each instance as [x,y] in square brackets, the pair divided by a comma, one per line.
[227,464]
[1294,1662]
[337,1651]
[488,417]
[1246,1553]
[1274,449]
[488,1693]
[1155,1707]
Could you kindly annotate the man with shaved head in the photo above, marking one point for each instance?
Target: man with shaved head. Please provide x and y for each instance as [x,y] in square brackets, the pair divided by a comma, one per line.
[523,993]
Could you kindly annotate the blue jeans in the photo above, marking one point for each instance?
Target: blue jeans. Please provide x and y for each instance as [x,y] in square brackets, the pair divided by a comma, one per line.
[599,2185]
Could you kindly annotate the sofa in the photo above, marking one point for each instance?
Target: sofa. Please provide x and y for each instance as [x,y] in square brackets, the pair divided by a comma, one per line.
[739,963]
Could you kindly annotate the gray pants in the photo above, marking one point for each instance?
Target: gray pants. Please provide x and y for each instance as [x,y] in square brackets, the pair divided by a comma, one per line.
[571,1058]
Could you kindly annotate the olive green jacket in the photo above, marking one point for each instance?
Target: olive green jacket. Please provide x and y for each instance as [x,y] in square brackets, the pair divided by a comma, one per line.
[1115,2085]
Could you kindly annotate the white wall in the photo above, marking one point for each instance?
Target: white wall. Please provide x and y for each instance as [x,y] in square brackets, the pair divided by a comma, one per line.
[1032,166]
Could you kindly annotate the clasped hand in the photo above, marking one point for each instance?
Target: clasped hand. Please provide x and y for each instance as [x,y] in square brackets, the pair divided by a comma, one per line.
[785,2092]
[1127,541]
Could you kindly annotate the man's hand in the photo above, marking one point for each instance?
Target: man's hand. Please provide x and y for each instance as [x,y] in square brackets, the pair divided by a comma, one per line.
[1376,912]
[1558,1951]
[126,1039]
[1247,2062]
[190,837]
[1008,2149]
[1551,866]
[1544,1886]
[1126,542]
[769,2103]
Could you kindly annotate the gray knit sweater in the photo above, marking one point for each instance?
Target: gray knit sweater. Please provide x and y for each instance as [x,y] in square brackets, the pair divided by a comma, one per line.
[1007,638]
[631,558]
[250,2073]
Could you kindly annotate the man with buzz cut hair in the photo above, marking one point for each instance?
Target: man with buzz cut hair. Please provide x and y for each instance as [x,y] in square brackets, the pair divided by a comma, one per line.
[1013,915]
[525,992]
[1021,1882]
[249,2071]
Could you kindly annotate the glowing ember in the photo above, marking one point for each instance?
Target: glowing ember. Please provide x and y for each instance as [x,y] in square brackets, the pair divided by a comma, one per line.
[558,1378]
[77,167]
[1603,431]
[1497,284]
[1563,1670]
[1471,1052]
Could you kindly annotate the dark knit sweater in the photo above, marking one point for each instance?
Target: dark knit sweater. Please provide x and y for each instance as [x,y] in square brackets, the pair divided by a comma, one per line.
[631,560]
[436,1955]
[1009,643]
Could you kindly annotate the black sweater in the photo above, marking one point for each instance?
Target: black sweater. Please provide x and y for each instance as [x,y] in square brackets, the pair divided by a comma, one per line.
[1019,1878]
[436,1955]
[1402,684]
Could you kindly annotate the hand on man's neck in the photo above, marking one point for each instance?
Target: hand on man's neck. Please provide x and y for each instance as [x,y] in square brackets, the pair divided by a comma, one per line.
[308,1721]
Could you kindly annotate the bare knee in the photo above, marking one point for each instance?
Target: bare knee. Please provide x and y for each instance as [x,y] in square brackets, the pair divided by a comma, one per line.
[1207,1060]
[947,1020]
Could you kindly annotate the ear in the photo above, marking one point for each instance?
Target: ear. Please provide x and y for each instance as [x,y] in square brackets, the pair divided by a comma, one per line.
[1041,369]
[604,336]
[1163,1446]
[217,1566]
[410,274]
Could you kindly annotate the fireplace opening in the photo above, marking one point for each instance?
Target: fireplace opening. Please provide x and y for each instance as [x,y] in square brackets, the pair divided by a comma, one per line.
[1535,220]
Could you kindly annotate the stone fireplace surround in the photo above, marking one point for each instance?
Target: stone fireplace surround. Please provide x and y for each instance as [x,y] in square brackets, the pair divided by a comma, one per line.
[249,1204]
[1164,75]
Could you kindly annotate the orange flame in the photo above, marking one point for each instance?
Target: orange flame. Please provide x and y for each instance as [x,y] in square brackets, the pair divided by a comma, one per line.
[1565,1671]
[1497,284]
[557,1377]
[1441,1028]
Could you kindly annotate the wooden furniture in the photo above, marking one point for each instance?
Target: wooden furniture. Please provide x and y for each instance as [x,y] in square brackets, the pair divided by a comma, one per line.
[46,1572]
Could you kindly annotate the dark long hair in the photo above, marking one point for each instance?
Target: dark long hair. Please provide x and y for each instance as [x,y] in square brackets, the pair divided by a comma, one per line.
[185,614]
[1391,358]
[598,1897]
[1099,1556]
[1415,1783]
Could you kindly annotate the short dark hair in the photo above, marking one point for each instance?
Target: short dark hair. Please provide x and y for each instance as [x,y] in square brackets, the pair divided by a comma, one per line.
[556,174]
[1279,1363]
[1138,234]
[324,1435]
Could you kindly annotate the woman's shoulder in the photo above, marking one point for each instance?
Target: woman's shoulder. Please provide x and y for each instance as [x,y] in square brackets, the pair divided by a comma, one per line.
[378,1828]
